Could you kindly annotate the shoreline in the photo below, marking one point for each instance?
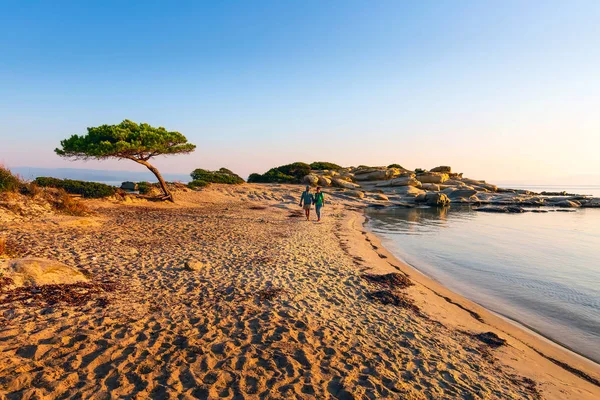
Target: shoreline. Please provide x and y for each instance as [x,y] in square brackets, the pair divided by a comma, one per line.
[230,292]
[518,323]
[516,329]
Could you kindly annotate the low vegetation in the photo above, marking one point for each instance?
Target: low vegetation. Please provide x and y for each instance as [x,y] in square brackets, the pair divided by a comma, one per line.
[92,190]
[324,165]
[395,166]
[17,195]
[8,181]
[289,173]
[202,178]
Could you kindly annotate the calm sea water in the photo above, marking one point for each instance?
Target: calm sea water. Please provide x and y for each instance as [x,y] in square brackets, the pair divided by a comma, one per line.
[542,270]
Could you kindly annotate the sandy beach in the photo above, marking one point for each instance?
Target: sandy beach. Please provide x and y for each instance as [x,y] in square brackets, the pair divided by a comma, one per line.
[230,293]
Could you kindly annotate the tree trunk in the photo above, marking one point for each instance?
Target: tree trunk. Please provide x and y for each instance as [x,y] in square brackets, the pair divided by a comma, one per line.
[163,184]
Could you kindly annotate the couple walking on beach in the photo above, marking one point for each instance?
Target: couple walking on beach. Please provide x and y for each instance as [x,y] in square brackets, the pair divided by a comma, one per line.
[308,199]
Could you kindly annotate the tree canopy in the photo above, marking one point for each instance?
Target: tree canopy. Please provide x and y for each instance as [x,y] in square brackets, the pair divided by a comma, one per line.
[127,140]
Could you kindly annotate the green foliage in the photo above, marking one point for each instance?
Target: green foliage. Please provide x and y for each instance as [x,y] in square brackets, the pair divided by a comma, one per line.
[195,184]
[321,165]
[8,182]
[290,173]
[395,166]
[419,170]
[145,187]
[86,189]
[125,140]
[223,175]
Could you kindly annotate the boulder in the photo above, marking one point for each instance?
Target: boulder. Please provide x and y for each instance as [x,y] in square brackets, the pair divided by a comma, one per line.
[432,177]
[380,196]
[372,175]
[454,182]
[431,186]
[311,179]
[344,184]
[129,186]
[402,181]
[460,193]
[355,193]
[433,199]
[443,168]
[501,209]
[567,204]
[410,191]
[324,181]
[39,271]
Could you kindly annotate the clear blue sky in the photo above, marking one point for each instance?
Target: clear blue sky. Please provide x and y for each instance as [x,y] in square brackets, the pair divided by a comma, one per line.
[502,90]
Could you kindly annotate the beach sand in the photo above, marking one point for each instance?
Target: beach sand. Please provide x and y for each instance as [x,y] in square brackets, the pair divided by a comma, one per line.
[230,293]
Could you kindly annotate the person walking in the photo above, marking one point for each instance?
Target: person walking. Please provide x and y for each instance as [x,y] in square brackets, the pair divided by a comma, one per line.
[319,201]
[306,201]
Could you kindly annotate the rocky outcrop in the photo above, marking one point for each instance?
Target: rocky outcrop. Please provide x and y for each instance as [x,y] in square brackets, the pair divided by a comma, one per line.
[443,168]
[402,181]
[355,193]
[311,179]
[344,184]
[433,199]
[432,177]
[431,186]
[324,181]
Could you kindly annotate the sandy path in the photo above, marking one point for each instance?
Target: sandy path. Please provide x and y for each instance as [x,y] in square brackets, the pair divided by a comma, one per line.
[276,309]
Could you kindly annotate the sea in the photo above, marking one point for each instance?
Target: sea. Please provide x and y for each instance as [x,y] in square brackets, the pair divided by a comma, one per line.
[541,270]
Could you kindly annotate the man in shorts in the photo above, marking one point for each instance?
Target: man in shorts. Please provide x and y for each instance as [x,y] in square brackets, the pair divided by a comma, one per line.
[306,201]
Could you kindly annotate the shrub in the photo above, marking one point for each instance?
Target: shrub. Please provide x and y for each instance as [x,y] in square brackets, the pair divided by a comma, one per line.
[68,205]
[8,181]
[223,175]
[321,165]
[86,189]
[290,173]
[195,184]
[419,170]
[395,166]
[144,187]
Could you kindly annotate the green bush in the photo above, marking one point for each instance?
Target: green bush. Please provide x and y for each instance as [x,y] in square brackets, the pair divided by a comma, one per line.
[86,189]
[8,182]
[289,173]
[321,165]
[419,170]
[195,184]
[145,187]
[395,166]
[223,175]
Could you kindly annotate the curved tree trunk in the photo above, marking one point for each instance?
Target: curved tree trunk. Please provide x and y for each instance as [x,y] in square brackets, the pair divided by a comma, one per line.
[161,181]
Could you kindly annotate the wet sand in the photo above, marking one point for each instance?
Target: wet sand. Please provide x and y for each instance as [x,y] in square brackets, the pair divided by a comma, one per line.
[230,293]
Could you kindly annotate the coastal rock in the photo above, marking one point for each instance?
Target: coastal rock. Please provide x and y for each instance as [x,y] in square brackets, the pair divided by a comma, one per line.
[454,182]
[430,186]
[324,181]
[355,193]
[380,196]
[460,193]
[373,175]
[401,181]
[433,199]
[311,179]
[567,204]
[408,191]
[344,184]
[501,209]
[432,177]
[39,271]
[443,168]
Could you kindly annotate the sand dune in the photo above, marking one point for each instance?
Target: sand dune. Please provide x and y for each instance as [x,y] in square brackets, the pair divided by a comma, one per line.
[274,307]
